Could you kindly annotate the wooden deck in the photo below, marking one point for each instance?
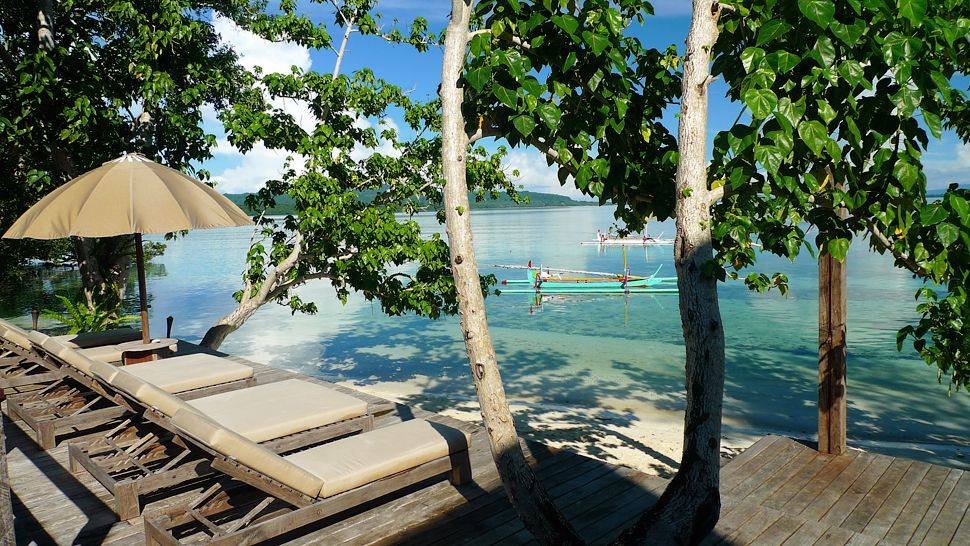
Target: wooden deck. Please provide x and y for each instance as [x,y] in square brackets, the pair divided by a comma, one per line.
[776,492]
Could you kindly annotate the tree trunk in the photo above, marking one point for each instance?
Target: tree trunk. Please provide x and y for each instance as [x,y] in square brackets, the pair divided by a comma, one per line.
[228,324]
[688,509]
[531,501]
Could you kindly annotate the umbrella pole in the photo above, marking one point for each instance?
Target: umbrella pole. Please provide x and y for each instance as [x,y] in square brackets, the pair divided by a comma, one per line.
[142,288]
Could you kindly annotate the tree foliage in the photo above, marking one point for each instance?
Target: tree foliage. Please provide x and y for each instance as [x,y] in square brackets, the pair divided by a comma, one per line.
[105,77]
[842,107]
[354,179]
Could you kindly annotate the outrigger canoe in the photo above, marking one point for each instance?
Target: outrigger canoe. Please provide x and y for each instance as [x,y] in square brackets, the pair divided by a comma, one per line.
[589,285]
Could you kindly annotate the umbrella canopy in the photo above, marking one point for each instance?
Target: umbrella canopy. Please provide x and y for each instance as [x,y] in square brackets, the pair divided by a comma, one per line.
[128,195]
[131,194]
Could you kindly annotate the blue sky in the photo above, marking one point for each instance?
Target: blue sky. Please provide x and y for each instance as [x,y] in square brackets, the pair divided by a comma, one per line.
[947,160]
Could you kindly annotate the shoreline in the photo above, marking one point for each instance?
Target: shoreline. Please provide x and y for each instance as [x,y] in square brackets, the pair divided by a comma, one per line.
[647,439]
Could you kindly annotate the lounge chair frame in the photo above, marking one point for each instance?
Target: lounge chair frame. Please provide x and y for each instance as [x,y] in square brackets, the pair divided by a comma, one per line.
[22,370]
[136,459]
[265,519]
[82,403]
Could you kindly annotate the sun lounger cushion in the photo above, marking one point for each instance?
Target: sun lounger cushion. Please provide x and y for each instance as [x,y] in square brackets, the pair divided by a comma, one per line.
[72,357]
[104,371]
[107,353]
[86,340]
[148,394]
[247,453]
[14,334]
[183,373]
[364,458]
[270,411]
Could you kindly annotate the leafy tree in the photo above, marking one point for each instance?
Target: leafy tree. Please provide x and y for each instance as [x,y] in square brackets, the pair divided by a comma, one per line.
[835,103]
[92,79]
[352,205]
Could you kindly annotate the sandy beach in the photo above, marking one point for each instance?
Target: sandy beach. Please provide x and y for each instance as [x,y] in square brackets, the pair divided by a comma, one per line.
[644,437]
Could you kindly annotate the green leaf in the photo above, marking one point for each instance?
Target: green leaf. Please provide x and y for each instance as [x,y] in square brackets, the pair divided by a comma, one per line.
[769,156]
[782,61]
[906,173]
[948,233]
[550,115]
[566,22]
[960,206]
[933,123]
[524,124]
[932,214]
[849,34]
[505,95]
[825,51]
[761,102]
[853,73]
[479,77]
[789,112]
[771,30]
[825,110]
[814,135]
[838,248]
[569,62]
[750,57]
[597,41]
[914,10]
[820,11]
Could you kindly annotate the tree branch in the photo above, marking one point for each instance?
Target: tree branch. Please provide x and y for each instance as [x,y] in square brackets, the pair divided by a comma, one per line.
[901,258]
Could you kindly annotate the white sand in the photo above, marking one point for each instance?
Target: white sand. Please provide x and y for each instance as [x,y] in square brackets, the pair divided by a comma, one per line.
[642,436]
[649,441]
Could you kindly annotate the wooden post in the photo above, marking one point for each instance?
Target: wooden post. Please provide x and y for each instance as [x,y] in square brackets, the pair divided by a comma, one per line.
[142,289]
[831,353]
[6,506]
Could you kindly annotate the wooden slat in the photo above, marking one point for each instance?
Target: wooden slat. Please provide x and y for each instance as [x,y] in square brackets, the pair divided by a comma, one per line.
[886,515]
[934,510]
[780,531]
[911,514]
[951,515]
[850,498]
[831,494]
[863,512]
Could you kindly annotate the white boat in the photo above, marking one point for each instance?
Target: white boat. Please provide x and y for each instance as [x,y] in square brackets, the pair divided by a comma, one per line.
[604,239]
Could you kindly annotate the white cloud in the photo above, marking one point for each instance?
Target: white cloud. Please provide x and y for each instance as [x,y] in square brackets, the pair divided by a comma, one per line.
[254,51]
[535,175]
[384,147]
[944,167]
[254,169]
[251,170]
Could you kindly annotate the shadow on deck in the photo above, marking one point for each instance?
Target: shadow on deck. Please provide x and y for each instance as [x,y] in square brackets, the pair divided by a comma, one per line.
[776,492]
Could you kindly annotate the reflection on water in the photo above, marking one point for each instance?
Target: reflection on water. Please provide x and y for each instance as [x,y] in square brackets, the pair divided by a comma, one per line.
[583,351]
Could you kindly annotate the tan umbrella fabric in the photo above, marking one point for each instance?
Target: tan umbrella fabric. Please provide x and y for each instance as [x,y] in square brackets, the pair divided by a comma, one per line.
[127,195]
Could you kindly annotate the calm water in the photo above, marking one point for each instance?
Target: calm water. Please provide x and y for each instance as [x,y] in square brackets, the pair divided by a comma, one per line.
[581,351]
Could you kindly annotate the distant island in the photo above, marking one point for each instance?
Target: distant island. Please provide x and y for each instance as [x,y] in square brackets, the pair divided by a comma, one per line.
[285,205]
[940,191]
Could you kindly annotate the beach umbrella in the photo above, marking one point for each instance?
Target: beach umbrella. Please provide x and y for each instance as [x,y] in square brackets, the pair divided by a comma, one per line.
[128,195]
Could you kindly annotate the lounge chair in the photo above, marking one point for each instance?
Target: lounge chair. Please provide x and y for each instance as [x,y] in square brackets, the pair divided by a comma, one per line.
[85,399]
[22,367]
[307,486]
[135,459]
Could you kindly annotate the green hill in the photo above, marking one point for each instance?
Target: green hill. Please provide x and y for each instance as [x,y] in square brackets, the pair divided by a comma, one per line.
[284,204]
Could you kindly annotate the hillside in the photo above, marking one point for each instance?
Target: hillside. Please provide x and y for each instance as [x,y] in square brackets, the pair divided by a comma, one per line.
[535,200]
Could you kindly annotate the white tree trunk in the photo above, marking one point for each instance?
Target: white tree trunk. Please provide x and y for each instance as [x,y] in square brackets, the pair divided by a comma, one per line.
[530,500]
[688,509]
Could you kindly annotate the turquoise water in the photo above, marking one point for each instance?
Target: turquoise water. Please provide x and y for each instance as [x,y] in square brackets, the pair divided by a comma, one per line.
[581,351]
